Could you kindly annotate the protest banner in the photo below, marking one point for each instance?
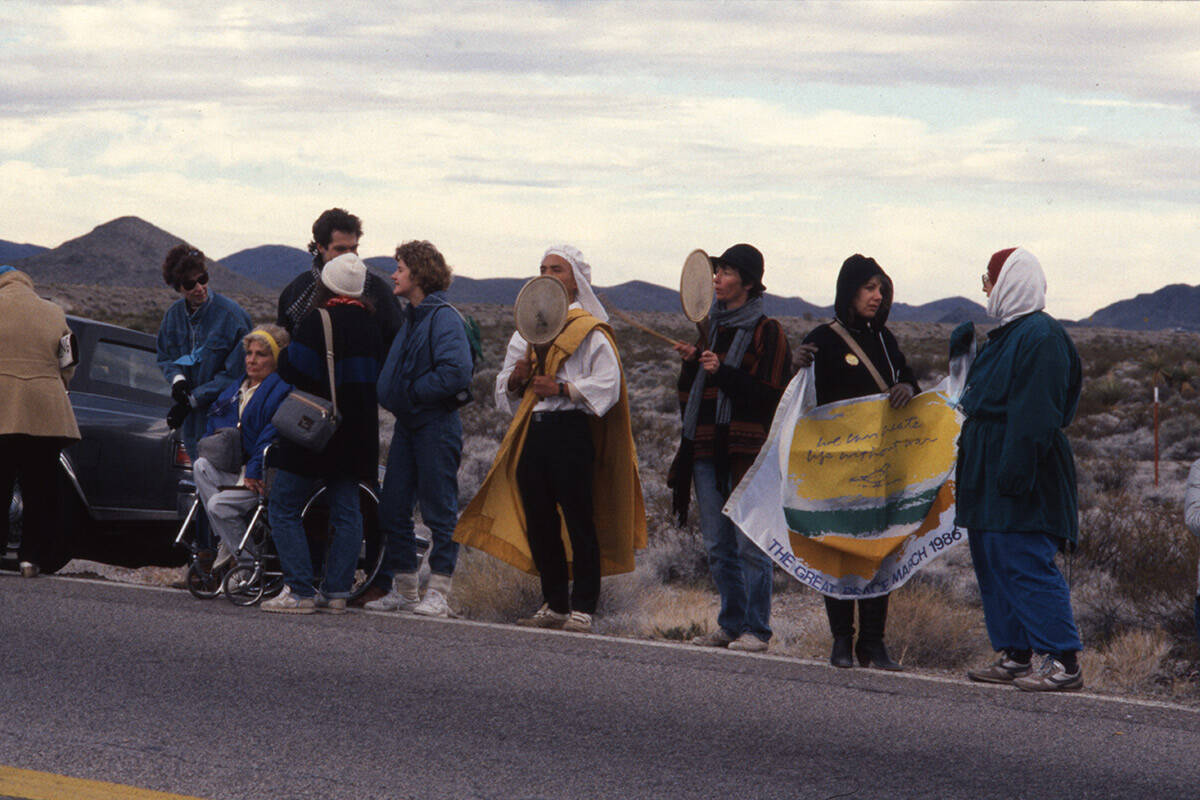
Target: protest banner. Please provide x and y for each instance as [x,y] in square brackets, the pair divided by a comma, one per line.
[852,498]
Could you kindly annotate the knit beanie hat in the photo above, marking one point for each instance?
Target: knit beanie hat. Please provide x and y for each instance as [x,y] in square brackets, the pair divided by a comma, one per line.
[748,261]
[996,263]
[345,275]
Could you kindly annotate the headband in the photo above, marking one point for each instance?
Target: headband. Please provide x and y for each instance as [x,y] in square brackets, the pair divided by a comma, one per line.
[261,334]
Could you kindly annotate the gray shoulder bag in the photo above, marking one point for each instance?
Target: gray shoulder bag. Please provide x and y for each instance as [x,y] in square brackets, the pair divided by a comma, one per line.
[306,419]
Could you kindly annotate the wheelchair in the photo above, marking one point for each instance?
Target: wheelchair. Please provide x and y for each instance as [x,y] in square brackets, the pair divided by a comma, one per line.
[247,584]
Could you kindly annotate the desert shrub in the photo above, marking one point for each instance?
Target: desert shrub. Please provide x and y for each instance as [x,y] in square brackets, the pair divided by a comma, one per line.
[929,627]
[1150,561]
[1130,662]
[1102,394]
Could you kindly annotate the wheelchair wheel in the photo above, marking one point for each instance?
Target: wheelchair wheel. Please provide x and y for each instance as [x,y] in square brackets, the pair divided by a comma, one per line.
[371,550]
[204,584]
[243,585]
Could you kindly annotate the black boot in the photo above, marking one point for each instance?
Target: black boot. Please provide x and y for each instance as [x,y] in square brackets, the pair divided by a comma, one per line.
[872,618]
[843,652]
[874,654]
[841,625]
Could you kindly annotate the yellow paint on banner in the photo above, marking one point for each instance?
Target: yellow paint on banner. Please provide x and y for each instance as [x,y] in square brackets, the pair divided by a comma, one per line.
[871,450]
[30,785]
[839,556]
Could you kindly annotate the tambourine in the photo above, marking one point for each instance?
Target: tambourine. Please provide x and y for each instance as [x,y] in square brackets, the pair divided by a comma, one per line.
[696,286]
[541,310]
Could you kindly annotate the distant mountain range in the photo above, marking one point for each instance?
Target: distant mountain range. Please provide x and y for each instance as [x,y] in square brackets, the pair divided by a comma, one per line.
[124,252]
[128,251]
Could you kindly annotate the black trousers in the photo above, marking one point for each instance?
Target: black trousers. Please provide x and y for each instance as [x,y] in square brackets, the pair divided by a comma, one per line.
[32,461]
[555,472]
[872,617]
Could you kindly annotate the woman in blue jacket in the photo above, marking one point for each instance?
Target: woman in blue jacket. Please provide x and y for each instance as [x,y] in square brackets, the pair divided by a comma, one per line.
[423,382]
[248,406]
[1016,477]
[199,342]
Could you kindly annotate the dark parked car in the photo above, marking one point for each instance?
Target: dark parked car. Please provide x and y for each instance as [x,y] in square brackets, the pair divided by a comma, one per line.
[122,494]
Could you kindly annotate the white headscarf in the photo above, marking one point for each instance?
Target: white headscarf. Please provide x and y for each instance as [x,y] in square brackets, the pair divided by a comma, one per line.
[583,279]
[1020,288]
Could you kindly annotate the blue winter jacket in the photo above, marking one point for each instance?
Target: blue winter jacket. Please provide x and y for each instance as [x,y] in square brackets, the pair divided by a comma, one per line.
[257,431]
[428,364]
[206,348]
[1015,468]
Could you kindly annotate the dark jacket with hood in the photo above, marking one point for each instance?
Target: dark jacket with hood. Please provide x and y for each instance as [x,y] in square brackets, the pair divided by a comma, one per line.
[839,373]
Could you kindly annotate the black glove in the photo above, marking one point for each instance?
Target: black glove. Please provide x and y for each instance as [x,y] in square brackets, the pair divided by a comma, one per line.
[180,391]
[177,415]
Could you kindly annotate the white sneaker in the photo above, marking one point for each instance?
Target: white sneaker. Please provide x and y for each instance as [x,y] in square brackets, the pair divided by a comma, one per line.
[544,617]
[223,556]
[432,605]
[287,603]
[330,605]
[578,622]
[402,597]
[748,643]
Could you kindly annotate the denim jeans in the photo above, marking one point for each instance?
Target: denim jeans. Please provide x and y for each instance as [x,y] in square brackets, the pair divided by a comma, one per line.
[1026,601]
[289,493]
[740,569]
[422,469]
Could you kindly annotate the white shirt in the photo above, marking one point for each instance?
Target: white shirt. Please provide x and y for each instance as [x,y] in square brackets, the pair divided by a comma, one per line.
[592,374]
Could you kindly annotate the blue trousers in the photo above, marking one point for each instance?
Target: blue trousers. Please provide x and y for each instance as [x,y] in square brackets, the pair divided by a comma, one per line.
[289,493]
[740,569]
[422,469]
[1026,602]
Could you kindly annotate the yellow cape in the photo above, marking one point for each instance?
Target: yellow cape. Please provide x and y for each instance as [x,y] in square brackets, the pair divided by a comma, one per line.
[494,521]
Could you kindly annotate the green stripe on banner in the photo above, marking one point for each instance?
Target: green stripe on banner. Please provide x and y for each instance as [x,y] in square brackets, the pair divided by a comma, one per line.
[861,521]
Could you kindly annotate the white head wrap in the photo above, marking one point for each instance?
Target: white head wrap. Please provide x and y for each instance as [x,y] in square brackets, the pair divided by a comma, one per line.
[1020,288]
[583,279]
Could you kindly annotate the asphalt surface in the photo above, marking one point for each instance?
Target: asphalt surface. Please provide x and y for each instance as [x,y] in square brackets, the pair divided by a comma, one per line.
[154,689]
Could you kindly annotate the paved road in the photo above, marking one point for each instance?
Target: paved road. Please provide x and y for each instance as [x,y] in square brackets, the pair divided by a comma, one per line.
[154,689]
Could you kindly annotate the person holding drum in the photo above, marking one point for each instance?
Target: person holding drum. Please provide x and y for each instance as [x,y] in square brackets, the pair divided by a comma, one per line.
[856,355]
[729,386]
[569,448]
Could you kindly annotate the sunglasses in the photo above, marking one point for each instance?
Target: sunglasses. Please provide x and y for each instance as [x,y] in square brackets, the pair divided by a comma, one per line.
[187,284]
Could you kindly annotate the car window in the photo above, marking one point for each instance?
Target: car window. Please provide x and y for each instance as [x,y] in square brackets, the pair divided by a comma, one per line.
[128,366]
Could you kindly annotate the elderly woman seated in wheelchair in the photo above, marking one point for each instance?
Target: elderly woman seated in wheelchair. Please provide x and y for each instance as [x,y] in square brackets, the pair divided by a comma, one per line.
[229,472]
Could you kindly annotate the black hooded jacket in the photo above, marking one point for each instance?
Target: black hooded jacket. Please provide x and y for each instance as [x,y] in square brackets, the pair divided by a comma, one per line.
[839,375]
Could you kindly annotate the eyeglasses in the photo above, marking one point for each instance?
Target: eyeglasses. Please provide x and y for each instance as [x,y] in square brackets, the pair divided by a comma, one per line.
[187,284]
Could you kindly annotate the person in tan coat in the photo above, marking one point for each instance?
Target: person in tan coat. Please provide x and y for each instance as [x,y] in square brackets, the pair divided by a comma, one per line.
[36,420]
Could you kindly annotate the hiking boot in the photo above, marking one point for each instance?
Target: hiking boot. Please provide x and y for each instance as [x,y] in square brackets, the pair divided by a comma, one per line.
[29,569]
[578,622]
[748,643]
[718,638]
[544,618]
[402,597]
[1051,676]
[1004,670]
[435,602]
[287,603]
[329,605]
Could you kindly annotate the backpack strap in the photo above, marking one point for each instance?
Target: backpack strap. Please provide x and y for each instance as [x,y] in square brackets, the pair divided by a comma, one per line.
[837,327]
[327,326]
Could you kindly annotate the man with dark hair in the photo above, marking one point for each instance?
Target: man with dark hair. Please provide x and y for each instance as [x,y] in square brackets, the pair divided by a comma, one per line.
[335,233]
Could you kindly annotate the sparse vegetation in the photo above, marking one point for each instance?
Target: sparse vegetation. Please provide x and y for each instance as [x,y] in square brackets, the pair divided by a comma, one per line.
[1133,577]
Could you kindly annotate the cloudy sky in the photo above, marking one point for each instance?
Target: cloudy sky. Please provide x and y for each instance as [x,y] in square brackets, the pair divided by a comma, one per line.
[926,135]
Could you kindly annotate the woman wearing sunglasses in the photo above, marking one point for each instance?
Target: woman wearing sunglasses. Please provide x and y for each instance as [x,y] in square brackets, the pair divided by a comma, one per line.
[199,342]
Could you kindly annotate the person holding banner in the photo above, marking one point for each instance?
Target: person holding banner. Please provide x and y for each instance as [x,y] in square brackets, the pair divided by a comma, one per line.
[569,447]
[729,387]
[1016,477]
[856,355]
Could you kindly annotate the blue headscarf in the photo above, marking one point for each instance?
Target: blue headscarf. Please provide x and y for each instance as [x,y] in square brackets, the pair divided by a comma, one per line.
[6,268]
